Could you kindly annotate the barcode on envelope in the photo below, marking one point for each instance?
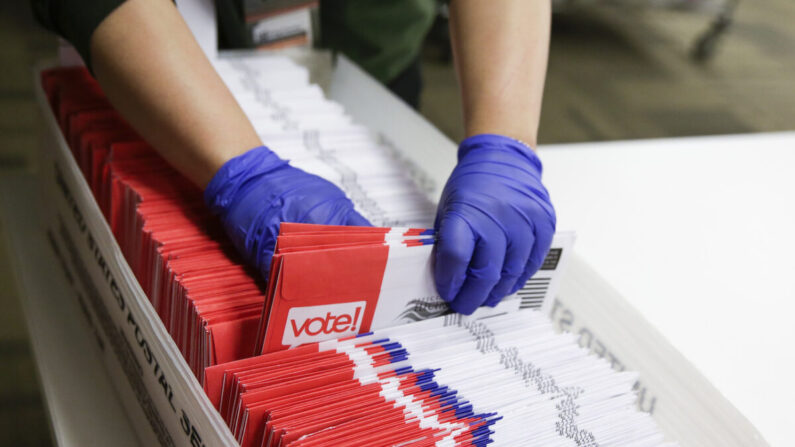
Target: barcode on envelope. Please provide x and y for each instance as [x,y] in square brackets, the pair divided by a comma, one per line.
[533,293]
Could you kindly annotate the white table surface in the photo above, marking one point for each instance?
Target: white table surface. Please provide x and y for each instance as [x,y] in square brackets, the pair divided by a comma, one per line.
[82,404]
[699,235]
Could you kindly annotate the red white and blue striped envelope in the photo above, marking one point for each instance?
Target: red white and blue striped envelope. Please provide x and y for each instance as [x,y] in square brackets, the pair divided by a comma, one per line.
[334,281]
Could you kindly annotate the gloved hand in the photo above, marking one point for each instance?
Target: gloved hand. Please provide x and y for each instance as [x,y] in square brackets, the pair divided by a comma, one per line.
[494,224]
[256,191]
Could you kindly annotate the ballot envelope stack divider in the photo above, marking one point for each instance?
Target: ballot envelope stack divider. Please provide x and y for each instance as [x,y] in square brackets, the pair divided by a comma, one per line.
[170,261]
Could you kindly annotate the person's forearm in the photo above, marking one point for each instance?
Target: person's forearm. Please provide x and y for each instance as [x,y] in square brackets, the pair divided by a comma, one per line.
[500,49]
[155,74]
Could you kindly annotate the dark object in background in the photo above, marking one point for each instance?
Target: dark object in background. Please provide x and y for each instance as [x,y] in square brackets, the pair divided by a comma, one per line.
[705,46]
[439,36]
[408,85]
[279,24]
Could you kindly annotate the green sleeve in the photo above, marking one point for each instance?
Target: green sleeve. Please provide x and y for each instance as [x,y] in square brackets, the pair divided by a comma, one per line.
[74,20]
[382,36]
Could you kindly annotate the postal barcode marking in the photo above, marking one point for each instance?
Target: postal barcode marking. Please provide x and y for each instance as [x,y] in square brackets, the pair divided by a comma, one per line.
[533,292]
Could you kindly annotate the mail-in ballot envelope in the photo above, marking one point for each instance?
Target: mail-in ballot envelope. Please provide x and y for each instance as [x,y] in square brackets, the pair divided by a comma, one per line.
[328,282]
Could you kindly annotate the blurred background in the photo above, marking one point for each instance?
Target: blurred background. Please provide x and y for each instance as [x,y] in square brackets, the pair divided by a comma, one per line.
[618,69]
[627,69]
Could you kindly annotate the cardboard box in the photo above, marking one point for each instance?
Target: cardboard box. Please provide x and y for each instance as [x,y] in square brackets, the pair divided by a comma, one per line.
[166,404]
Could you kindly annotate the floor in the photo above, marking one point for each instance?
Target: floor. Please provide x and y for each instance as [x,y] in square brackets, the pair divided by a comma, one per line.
[616,74]
[23,418]
[613,74]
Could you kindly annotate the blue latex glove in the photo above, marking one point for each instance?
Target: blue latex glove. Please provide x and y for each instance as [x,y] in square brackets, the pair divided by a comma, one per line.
[256,191]
[495,223]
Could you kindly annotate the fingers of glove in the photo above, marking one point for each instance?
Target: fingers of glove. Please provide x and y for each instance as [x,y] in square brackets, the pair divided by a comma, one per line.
[357,220]
[315,200]
[454,249]
[516,258]
[261,237]
[543,240]
[483,273]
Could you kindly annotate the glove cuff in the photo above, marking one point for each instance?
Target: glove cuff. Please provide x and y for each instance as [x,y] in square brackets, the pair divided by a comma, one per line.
[487,141]
[225,184]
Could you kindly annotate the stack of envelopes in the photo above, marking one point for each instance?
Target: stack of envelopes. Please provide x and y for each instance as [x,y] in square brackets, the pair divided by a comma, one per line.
[506,379]
[325,282]
[210,303]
